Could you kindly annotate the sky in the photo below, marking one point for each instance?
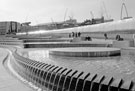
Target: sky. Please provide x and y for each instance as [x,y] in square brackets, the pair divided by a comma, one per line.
[43,11]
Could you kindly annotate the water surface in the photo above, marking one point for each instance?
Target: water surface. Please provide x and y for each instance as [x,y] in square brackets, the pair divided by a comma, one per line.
[120,66]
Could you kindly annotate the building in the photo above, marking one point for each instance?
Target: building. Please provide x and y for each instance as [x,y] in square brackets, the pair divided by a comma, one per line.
[9,27]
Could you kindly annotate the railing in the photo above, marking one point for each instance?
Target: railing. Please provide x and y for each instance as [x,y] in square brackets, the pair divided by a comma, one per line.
[54,78]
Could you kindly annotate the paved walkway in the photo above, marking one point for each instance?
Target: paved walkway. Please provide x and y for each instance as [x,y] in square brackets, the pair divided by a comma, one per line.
[8,82]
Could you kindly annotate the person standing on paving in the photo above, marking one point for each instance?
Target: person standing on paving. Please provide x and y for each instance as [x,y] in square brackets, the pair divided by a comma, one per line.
[105,35]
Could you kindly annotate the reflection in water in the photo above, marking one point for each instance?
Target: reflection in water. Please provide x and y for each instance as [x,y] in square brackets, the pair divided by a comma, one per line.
[123,64]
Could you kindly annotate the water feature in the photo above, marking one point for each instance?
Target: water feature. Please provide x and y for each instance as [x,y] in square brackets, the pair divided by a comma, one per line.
[117,67]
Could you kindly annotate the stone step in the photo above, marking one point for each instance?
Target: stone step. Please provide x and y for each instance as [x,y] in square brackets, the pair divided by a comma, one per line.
[86,52]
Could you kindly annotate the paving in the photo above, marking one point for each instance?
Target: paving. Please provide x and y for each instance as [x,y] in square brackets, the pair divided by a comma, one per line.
[8,81]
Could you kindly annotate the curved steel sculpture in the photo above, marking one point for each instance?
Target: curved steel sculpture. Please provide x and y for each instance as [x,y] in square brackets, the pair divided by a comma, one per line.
[123,5]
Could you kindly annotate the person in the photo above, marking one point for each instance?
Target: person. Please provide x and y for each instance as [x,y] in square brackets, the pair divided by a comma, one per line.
[118,38]
[73,34]
[79,34]
[88,38]
[76,35]
[69,35]
[105,36]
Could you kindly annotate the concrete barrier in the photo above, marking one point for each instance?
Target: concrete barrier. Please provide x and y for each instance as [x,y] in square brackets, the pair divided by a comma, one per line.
[85,52]
[123,44]
[62,45]
[48,40]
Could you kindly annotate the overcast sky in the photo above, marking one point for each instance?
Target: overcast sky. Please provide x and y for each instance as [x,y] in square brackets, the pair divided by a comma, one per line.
[41,11]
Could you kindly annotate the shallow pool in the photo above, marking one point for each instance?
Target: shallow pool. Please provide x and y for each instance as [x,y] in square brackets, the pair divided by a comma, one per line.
[121,66]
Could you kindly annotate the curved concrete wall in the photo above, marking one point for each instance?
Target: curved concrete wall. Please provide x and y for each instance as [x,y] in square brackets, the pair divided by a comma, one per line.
[121,25]
[127,25]
[56,78]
